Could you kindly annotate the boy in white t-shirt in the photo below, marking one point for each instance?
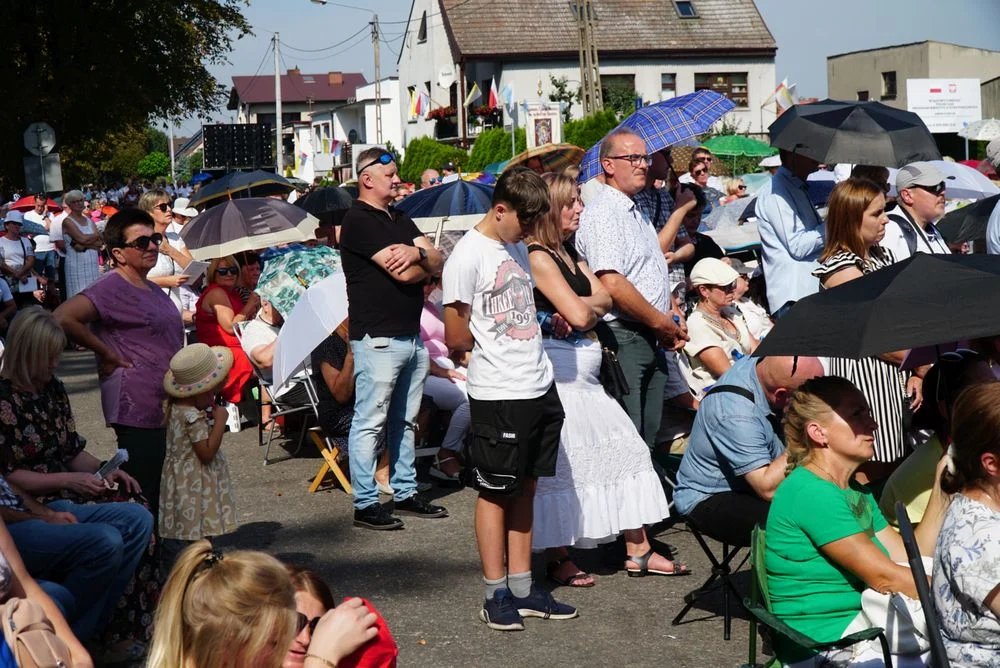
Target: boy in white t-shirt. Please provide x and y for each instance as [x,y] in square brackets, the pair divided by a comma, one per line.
[517,417]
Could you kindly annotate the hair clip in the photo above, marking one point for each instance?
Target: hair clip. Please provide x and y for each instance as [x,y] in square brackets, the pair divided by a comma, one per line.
[213,558]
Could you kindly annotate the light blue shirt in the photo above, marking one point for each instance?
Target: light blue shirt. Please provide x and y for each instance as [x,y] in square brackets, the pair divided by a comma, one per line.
[731,437]
[791,237]
[993,232]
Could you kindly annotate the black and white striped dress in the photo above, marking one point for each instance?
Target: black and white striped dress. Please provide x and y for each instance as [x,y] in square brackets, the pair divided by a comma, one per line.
[882,383]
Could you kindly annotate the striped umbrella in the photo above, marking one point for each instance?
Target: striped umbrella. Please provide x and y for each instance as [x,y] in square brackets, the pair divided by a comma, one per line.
[548,158]
[666,123]
[248,224]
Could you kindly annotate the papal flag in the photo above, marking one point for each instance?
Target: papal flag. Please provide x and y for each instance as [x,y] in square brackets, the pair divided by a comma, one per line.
[474,95]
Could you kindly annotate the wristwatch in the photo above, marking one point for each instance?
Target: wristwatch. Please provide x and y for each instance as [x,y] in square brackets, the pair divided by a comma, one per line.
[423,253]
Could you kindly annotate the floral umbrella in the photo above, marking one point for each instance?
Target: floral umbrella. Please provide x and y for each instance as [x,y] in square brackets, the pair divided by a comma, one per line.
[287,277]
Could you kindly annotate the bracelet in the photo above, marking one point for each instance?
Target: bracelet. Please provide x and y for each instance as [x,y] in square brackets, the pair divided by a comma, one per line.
[325,662]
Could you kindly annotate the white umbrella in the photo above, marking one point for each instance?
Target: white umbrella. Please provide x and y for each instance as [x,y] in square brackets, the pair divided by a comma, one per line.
[968,182]
[987,129]
[437,224]
[317,314]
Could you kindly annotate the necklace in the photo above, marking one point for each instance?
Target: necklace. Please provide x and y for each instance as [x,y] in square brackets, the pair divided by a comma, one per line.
[721,324]
[826,473]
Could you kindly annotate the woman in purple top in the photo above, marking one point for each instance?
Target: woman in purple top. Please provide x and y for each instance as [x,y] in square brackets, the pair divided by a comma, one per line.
[135,329]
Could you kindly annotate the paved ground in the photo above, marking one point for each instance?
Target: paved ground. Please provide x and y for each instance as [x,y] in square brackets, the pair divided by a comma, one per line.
[425,579]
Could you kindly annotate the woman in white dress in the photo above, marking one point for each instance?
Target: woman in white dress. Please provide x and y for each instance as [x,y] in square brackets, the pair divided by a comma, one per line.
[604,483]
[83,244]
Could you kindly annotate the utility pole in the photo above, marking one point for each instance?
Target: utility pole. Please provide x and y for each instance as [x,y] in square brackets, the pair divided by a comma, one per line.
[173,164]
[378,81]
[279,167]
[590,70]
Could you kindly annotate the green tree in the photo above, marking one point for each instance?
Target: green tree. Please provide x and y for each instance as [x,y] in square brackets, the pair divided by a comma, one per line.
[426,153]
[154,166]
[153,63]
[156,140]
[591,129]
[621,99]
[494,146]
[562,93]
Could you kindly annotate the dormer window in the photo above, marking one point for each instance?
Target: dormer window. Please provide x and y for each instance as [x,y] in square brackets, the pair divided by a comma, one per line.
[685,9]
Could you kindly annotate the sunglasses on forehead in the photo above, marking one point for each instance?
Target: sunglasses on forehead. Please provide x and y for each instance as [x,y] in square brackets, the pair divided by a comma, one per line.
[142,243]
[383,159]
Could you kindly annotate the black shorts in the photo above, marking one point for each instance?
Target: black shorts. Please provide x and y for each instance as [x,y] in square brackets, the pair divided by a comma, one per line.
[511,440]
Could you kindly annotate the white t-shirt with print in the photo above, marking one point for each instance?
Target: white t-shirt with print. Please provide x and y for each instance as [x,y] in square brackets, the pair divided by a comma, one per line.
[14,254]
[494,278]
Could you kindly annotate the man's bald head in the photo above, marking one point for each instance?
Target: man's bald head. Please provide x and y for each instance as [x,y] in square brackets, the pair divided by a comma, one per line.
[781,376]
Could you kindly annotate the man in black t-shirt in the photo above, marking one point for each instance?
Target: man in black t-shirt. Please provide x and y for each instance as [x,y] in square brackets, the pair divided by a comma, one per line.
[386,261]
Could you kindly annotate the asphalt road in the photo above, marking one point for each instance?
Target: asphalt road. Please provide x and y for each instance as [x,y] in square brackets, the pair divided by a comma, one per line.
[426,581]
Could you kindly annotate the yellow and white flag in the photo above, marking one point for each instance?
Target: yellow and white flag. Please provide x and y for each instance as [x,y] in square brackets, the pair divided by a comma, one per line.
[474,95]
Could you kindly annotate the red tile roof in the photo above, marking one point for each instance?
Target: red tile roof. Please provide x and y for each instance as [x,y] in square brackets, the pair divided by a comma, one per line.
[295,87]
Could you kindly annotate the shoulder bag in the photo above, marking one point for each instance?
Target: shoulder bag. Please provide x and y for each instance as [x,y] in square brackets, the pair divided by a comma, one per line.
[31,637]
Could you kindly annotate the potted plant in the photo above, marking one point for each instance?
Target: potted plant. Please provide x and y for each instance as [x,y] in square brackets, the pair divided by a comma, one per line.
[446,125]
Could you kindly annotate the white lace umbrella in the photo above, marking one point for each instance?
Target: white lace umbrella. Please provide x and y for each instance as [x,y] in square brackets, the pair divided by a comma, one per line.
[987,129]
[316,315]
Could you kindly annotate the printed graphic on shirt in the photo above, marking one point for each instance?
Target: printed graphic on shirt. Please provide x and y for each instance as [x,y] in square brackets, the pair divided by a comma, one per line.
[511,303]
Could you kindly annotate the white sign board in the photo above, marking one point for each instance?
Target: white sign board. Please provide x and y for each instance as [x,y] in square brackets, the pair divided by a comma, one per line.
[543,125]
[944,105]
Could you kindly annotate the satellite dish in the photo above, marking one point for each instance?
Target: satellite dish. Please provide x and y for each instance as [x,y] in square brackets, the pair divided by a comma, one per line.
[446,77]
[39,139]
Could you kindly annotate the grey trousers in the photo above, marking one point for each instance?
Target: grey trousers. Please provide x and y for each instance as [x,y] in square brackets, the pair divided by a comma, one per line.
[646,376]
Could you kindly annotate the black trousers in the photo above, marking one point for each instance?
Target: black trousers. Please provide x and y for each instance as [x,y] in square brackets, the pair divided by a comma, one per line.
[146,450]
[730,517]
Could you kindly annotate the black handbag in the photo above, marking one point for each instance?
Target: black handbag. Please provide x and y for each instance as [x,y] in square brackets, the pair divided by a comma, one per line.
[612,376]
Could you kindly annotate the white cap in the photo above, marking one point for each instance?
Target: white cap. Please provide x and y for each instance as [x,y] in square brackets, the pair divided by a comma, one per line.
[770,161]
[710,271]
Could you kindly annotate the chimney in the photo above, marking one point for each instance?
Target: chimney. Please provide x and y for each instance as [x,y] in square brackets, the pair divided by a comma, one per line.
[295,71]
[335,78]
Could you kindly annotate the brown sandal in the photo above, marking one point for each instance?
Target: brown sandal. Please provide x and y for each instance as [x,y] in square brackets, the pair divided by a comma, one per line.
[572,580]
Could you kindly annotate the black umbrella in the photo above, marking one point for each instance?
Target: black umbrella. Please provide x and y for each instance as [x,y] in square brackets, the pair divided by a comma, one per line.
[325,203]
[866,133]
[247,224]
[257,183]
[969,222]
[922,301]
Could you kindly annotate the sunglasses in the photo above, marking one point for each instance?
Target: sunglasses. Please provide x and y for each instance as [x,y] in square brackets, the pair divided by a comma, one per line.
[934,190]
[705,158]
[741,187]
[142,243]
[699,172]
[383,159]
[301,621]
[727,288]
[163,208]
[227,271]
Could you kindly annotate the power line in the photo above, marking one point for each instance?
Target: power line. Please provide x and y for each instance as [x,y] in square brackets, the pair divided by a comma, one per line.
[328,56]
[429,16]
[389,46]
[326,48]
[267,52]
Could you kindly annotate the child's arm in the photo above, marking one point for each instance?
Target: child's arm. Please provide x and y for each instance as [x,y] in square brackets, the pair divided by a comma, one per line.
[457,335]
[206,448]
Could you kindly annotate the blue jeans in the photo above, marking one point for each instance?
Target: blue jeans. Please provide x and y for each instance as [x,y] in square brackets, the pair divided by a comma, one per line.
[93,560]
[45,263]
[389,375]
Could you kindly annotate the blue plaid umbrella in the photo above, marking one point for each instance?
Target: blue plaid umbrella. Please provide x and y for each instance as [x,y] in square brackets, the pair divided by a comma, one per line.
[666,123]
[458,198]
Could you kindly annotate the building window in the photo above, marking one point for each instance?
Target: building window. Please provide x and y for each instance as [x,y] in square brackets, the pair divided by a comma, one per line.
[732,84]
[422,32]
[888,85]
[668,86]
[862,96]
[685,9]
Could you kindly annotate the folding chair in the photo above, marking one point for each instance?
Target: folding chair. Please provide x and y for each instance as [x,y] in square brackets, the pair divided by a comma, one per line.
[721,577]
[327,447]
[279,408]
[938,652]
[759,607]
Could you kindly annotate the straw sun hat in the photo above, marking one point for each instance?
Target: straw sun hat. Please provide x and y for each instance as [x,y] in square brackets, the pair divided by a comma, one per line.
[196,369]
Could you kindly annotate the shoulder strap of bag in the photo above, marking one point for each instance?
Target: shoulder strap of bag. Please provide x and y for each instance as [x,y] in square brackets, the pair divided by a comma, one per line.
[30,635]
[906,227]
[732,389]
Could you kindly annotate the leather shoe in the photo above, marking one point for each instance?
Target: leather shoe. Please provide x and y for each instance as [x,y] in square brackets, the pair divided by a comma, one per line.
[418,507]
[377,518]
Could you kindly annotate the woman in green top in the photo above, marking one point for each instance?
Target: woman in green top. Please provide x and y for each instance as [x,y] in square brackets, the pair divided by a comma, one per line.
[826,538]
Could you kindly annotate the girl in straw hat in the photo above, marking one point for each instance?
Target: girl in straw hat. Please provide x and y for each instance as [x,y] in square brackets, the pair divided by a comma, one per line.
[196,498]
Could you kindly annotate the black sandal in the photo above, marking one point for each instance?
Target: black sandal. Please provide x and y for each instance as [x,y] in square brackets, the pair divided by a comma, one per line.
[571,581]
[643,563]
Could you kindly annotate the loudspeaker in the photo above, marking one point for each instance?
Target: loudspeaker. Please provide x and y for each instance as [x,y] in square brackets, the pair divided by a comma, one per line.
[237,146]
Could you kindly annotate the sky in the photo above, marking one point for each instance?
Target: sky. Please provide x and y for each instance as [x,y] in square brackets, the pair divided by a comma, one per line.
[807,31]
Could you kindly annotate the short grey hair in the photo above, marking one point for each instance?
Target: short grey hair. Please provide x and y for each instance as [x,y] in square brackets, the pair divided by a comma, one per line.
[608,145]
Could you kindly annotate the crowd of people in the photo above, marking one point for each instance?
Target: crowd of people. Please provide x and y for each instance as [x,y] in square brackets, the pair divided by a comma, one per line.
[573,352]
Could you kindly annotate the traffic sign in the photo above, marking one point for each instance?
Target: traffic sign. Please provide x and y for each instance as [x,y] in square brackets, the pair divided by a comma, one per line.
[39,139]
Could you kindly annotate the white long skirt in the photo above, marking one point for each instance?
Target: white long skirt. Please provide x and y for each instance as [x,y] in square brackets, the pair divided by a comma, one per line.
[604,481]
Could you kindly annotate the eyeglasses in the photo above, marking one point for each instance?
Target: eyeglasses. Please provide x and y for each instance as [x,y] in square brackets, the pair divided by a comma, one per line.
[301,621]
[934,190]
[698,172]
[227,271]
[163,208]
[143,242]
[383,159]
[635,159]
